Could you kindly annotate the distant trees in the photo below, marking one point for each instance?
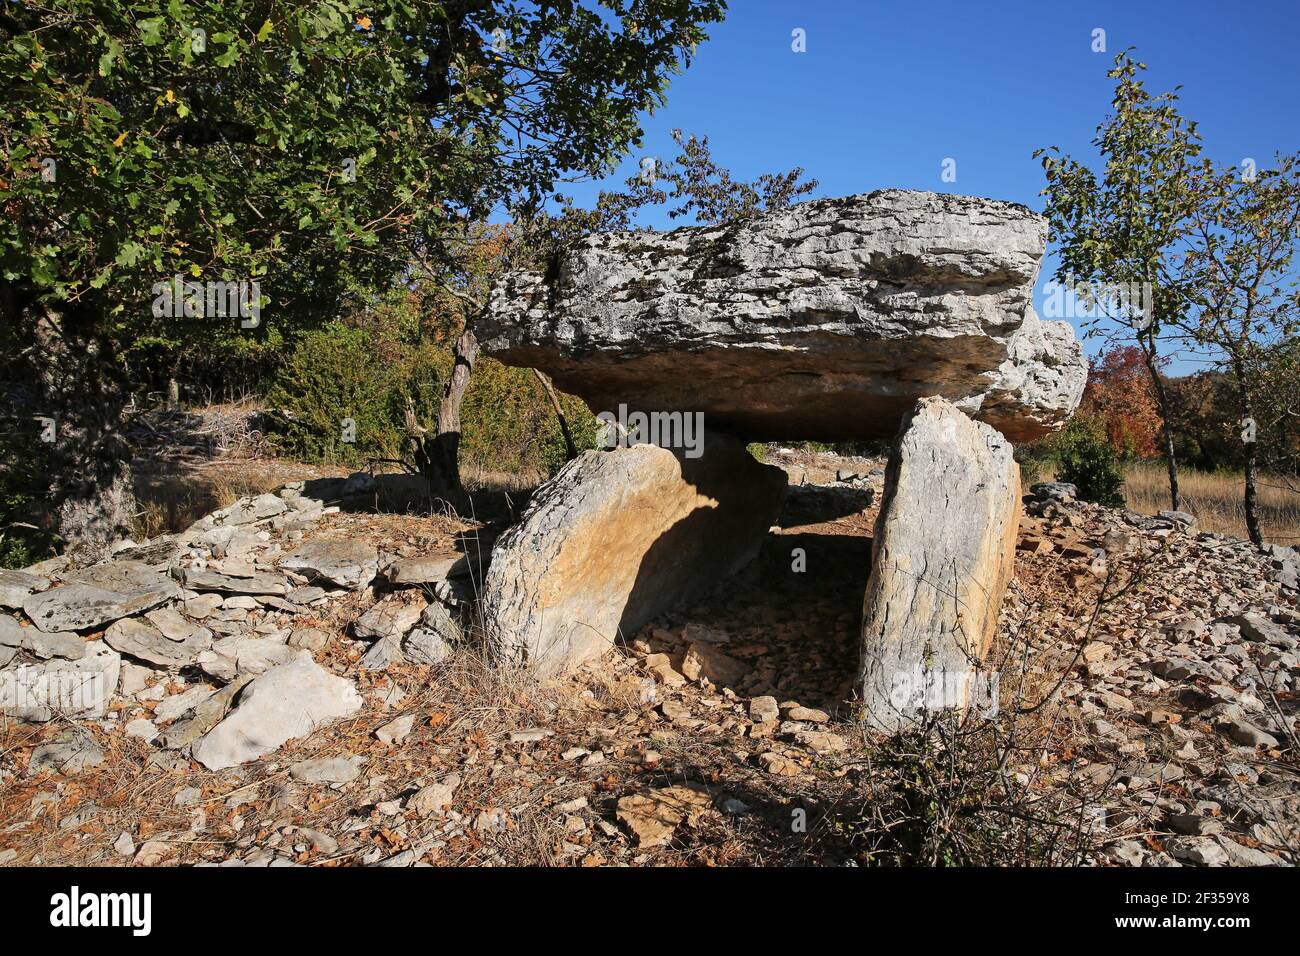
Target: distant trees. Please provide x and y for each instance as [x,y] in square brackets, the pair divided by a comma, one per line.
[1120,398]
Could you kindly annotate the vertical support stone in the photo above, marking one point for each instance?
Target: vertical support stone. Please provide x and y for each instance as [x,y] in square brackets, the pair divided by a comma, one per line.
[943,554]
[618,537]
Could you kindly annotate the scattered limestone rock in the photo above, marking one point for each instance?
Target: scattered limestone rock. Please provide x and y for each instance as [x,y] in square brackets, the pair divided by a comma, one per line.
[653,816]
[17,586]
[435,797]
[80,688]
[153,853]
[76,754]
[326,770]
[237,656]
[764,710]
[383,654]
[201,605]
[138,638]
[427,569]
[143,728]
[309,639]
[176,627]
[44,645]
[288,701]
[86,604]
[705,660]
[396,731]
[198,579]
[248,510]
[821,741]
[424,646]
[346,563]
[390,618]
[178,705]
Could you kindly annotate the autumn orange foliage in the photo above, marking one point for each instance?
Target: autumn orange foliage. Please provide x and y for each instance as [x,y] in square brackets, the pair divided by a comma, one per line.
[1119,398]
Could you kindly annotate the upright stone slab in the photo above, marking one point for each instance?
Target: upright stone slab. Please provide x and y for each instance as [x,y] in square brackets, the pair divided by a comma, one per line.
[618,537]
[943,553]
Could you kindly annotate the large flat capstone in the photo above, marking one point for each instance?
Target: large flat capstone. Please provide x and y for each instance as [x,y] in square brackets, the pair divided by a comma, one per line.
[828,320]
[618,537]
[943,554]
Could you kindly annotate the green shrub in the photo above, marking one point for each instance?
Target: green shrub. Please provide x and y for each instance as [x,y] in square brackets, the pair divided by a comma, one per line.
[341,372]
[1088,461]
[508,424]
[333,376]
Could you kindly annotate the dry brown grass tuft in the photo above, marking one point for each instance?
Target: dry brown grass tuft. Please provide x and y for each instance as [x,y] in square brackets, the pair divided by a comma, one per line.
[1215,499]
[175,502]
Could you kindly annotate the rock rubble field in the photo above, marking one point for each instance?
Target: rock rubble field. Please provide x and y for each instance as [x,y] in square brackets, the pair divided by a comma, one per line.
[298,680]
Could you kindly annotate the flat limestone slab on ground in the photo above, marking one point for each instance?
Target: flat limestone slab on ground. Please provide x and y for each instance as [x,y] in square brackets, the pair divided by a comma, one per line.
[617,538]
[943,554]
[288,701]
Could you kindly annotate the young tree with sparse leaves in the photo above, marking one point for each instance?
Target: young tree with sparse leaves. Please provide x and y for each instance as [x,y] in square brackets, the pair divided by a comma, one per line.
[1129,227]
[1245,295]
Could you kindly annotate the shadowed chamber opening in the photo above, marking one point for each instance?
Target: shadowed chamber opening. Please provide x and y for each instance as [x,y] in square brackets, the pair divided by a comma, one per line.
[793,616]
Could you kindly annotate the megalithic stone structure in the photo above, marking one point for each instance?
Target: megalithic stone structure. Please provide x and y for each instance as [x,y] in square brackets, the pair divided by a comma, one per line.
[829,320]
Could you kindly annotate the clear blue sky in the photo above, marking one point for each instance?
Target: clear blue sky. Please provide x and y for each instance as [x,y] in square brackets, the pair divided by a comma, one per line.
[888,89]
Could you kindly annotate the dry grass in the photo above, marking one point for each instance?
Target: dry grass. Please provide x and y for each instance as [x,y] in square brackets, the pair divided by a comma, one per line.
[1215,499]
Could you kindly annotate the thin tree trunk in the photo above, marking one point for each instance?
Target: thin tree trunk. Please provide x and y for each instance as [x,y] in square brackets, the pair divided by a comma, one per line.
[1162,403]
[442,453]
[570,449]
[1250,499]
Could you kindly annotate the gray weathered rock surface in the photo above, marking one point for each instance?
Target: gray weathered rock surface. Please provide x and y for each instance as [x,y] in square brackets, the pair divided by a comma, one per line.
[197,579]
[427,569]
[943,553]
[391,617]
[286,702]
[618,537]
[139,639]
[80,688]
[99,595]
[44,645]
[827,320]
[345,562]
[15,586]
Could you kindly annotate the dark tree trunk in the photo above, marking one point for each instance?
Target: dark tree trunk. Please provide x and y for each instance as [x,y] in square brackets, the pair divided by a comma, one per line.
[1250,499]
[438,458]
[80,397]
[1162,403]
